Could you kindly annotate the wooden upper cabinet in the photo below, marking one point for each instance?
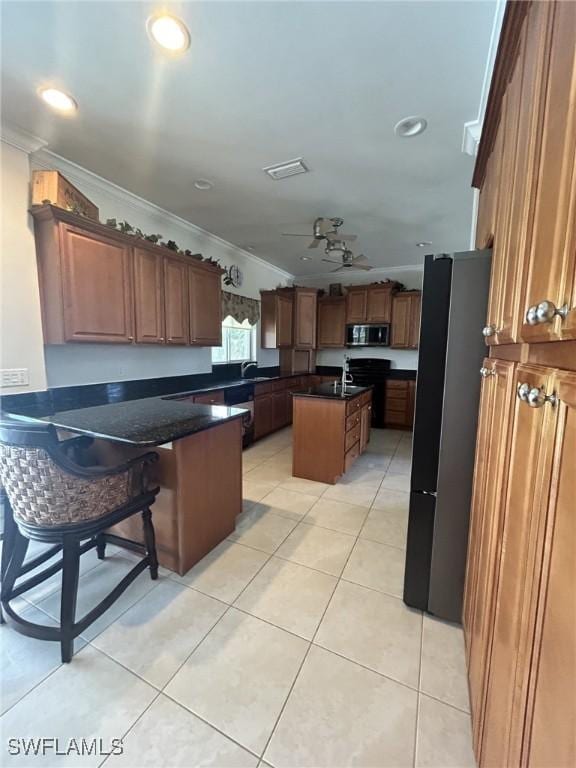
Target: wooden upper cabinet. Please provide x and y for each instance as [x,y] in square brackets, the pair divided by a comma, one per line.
[488,201]
[551,261]
[369,303]
[305,310]
[332,322]
[148,297]
[405,329]
[96,288]
[550,736]
[176,301]
[526,493]
[205,307]
[276,318]
[379,308]
[356,305]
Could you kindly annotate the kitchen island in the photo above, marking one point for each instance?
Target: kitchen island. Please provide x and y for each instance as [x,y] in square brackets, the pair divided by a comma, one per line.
[199,470]
[331,428]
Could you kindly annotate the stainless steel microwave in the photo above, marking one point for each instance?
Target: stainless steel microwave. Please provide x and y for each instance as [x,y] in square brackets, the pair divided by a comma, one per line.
[367,335]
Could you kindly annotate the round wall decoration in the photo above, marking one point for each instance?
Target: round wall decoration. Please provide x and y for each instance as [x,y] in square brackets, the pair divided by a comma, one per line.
[234,276]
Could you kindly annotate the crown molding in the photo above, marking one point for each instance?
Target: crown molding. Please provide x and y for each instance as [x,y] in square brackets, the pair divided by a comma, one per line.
[21,139]
[87,180]
[362,272]
[471,137]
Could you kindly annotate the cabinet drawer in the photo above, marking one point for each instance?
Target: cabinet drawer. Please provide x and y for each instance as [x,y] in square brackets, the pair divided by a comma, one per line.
[366,398]
[210,398]
[263,389]
[352,437]
[353,406]
[395,417]
[396,403]
[278,386]
[394,384]
[352,420]
[351,456]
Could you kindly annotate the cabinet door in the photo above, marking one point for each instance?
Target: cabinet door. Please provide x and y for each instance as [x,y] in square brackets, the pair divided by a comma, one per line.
[356,305]
[305,319]
[379,308]
[284,307]
[550,738]
[415,312]
[148,297]
[332,323]
[365,419]
[401,336]
[262,415]
[205,308]
[96,286]
[552,258]
[529,464]
[279,410]
[496,408]
[176,302]
[488,200]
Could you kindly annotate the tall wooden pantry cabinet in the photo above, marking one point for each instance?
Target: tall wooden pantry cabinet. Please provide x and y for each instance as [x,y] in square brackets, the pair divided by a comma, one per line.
[520,603]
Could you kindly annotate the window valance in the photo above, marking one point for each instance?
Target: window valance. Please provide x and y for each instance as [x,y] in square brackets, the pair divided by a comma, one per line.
[240,307]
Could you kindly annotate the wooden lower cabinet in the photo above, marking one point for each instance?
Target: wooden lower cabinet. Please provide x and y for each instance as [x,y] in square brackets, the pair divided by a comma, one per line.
[329,435]
[262,415]
[496,408]
[519,612]
[399,404]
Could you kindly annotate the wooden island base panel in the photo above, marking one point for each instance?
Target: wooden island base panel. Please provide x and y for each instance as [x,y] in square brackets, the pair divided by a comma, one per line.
[329,431]
[200,480]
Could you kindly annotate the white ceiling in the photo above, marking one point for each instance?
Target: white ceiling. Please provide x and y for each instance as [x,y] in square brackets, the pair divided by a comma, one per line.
[264,82]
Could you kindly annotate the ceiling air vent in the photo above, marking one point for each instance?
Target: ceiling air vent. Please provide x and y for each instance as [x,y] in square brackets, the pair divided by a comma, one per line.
[284,170]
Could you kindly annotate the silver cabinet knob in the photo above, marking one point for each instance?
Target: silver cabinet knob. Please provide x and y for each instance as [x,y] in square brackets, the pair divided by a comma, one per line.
[531,315]
[523,390]
[537,398]
[488,330]
[546,311]
[485,372]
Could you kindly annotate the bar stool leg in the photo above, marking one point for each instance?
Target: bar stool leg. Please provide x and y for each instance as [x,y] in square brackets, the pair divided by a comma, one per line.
[150,542]
[100,546]
[70,576]
[13,565]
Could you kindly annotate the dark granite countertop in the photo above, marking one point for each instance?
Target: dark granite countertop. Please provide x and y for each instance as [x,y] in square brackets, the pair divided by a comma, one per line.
[327,392]
[146,422]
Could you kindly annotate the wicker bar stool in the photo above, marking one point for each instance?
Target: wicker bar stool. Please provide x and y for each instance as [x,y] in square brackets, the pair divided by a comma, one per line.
[53,499]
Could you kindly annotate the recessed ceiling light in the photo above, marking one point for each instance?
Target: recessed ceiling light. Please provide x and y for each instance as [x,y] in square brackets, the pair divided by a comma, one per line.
[203,184]
[410,126]
[304,258]
[169,32]
[58,100]
[424,243]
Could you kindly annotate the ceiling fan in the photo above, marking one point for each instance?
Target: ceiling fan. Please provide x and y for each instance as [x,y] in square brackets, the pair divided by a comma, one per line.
[324,229]
[349,261]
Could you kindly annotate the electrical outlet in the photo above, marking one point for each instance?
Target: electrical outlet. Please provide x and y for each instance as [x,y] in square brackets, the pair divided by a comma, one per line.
[14,377]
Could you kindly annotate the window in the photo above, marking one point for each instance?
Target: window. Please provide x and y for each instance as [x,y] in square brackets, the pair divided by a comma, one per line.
[238,342]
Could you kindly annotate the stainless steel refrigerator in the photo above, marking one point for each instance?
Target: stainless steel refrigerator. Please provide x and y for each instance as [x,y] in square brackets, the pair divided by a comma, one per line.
[451,349]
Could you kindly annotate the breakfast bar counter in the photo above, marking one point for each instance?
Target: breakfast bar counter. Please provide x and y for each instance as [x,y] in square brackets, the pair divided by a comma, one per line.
[199,469]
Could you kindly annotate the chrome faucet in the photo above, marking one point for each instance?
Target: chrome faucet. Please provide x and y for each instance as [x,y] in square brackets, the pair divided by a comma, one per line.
[244,367]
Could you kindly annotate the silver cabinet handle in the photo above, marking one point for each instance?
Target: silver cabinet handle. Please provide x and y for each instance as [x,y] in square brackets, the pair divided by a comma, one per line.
[489,330]
[485,372]
[523,390]
[546,311]
[531,315]
[537,398]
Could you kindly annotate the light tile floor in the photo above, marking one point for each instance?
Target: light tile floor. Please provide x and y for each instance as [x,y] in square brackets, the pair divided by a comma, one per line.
[287,646]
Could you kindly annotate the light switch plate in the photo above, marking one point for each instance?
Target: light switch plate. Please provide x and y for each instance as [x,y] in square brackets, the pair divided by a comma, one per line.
[14,377]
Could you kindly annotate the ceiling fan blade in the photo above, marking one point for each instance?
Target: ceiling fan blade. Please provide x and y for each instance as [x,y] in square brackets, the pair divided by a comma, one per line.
[340,236]
[359,259]
[366,267]
[338,269]
[314,244]
[294,234]
[331,261]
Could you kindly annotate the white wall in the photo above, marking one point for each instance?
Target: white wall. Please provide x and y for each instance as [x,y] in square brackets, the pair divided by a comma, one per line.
[69,364]
[410,277]
[20,321]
